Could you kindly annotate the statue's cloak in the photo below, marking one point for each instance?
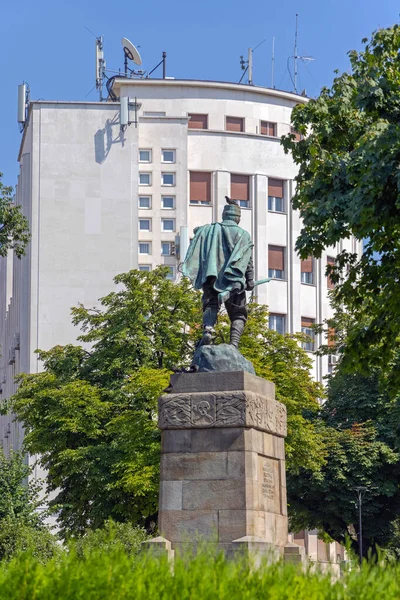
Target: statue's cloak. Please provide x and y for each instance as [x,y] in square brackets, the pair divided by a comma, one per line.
[220,252]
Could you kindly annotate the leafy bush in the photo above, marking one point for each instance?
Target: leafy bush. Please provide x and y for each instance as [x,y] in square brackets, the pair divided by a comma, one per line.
[111,575]
[16,536]
[123,537]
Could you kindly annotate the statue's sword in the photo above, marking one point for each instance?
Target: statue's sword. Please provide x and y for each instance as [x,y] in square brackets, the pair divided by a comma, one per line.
[224,296]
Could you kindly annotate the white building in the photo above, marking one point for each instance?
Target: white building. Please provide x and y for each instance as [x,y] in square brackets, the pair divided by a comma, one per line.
[101,201]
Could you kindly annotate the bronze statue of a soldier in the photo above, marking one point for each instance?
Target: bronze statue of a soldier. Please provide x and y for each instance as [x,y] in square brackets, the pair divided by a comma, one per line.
[219,262]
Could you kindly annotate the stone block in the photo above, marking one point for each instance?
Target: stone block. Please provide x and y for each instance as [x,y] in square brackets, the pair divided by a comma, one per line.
[231,524]
[282,471]
[214,494]
[217,440]
[268,445]
[255,523]
[251,465]
[294,554]
[221,382]
[281,530]
[170,495]
[284,504]
[189,526]
[194,466]
[279,447]
[270,527]
[176,440]
[255,549]
[254,440]
[236,465]
[158,547]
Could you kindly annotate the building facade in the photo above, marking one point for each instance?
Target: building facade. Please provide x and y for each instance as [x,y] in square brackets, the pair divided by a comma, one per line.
[101,199]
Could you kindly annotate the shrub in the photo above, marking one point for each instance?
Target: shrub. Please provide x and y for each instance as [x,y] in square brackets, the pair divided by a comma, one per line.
[112,575]
[16,536]
[122,537]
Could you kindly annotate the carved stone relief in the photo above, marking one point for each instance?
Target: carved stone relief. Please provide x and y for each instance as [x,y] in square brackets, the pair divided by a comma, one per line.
[222,409]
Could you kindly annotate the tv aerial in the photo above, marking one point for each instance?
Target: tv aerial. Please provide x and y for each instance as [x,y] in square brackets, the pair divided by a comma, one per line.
[130,53]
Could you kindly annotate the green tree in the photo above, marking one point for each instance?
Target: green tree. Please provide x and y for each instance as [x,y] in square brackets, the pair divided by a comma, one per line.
[348,185]
[92,414]
[21,525]
[360,430]
[14,230]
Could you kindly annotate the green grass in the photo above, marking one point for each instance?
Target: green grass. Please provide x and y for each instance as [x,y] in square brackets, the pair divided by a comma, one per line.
[114,574]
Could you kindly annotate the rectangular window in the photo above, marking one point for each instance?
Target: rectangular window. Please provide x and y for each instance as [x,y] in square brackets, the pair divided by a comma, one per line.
[144,268]
[200,188]
[144,178]
[168,156]
[330,261]
[331,337]
[167,178]
[234,124]
[166,248]
[197,121]
[277,323]
[168,224]
[275,195]
[145,224]
[144,248]
[276,262]
[240,189]
[168,202]
[144,201]
[297,135]
[171,274]
[268,128]
[145,156]
[307,271]
[306,328]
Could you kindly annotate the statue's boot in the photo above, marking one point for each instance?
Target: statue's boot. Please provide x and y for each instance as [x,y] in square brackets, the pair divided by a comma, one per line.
[210,317]
[237,327]
[208,336]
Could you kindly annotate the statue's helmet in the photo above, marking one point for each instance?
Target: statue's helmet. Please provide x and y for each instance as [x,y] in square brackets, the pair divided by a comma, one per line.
[231,210]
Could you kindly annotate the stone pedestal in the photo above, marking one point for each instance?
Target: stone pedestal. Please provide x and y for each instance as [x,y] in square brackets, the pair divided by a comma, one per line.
[223,462]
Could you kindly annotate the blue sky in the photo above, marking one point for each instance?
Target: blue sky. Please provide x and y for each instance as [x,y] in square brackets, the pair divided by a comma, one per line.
[46,44]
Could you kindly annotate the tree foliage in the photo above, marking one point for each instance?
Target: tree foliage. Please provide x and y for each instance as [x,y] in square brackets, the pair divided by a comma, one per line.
[92,413]
[14,230]
[348,185]
[21,525]
[359,423]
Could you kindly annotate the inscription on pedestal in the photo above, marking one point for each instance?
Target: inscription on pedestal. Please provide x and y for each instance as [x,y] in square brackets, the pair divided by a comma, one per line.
[268,482]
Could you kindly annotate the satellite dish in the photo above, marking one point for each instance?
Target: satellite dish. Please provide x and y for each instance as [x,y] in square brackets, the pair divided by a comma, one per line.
[131,52]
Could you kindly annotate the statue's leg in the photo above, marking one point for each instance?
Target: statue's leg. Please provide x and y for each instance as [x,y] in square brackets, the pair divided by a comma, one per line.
[210,313]
[237,312]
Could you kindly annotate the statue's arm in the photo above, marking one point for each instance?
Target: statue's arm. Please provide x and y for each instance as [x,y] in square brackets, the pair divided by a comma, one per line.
[250,275]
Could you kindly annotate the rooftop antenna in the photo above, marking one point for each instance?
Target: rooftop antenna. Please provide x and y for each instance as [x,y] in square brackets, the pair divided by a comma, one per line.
[100,66]
[23,103]
[296,57]
[249,63]
[273,63]
[131,53]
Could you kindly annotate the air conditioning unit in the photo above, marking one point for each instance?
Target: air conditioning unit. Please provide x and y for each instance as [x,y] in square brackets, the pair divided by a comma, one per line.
[332,359]
[11,356]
